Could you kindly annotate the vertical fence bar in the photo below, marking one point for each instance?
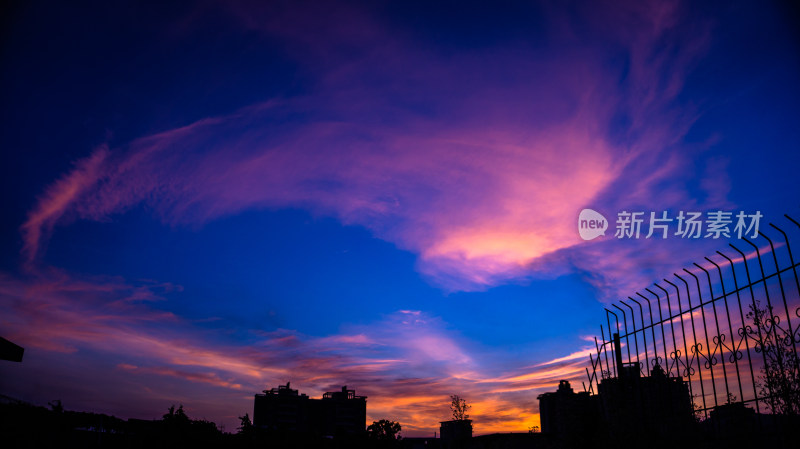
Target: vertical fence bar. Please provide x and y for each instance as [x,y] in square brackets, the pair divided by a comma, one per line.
[783,292]
[753,305]
[796,280]
[771,320]
[696,347]
[711,360]
[676,351]
[688,371]
[734,354]
[743,330]
[652,330]
[635,339]
[796,335]
[605,351]
[661,323]
[719,339]
[599,359]
[614,354]
[625,324]
[644,335]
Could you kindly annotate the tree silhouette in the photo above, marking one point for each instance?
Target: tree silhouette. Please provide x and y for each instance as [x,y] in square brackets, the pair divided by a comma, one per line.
[459,407]
[56,406]
[779,381]
[176,416]
[246,426]
[384,430]
[697,410]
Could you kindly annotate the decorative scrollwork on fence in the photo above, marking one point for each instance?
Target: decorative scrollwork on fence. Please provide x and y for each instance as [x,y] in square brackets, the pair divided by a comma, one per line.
[677,362]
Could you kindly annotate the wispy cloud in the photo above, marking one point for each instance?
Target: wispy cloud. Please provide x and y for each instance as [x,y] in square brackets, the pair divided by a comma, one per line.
[478,168]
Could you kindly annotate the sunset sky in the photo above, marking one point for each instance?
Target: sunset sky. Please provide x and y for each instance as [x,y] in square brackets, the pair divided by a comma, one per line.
[205,200]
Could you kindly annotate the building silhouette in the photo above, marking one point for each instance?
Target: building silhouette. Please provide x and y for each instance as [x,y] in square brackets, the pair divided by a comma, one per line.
[10,351]
[281,409]
[566,412]
[456,433]
[626,407]
[284,410]
[656,404]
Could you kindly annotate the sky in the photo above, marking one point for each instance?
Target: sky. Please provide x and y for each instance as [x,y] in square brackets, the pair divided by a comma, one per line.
[208,199]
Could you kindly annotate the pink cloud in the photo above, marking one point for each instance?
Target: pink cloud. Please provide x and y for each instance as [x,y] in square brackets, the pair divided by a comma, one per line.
[59,199]
[478,168]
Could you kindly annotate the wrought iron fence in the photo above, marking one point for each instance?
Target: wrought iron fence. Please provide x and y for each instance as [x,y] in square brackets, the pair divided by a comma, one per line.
[714,324]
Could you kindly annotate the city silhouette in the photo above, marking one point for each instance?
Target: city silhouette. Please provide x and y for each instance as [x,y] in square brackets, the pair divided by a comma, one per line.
[629,411]
[657,398]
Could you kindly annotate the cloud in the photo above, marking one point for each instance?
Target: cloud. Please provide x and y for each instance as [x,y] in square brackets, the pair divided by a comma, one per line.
[581,355]
[407,362]
[480,169]
[59,199]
